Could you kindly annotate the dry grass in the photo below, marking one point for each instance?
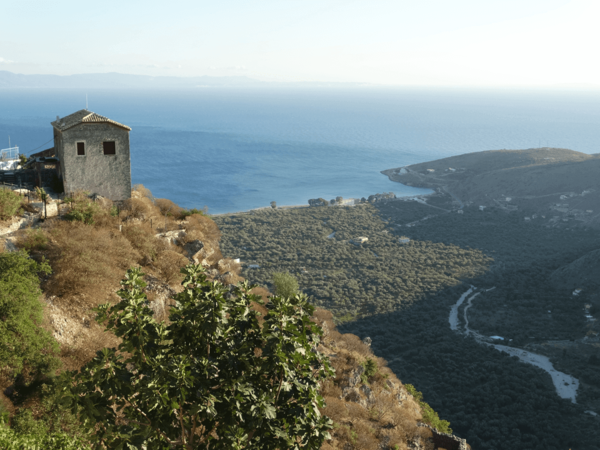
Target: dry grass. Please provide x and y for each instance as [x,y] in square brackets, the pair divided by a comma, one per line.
[202,228]
[87,260]
[385,419]
[169,264]
[143,240]
[168,208]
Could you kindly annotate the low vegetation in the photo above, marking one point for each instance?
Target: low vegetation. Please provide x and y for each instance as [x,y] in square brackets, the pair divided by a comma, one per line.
[351,280]
[27,351]
[486,395]
[10,204]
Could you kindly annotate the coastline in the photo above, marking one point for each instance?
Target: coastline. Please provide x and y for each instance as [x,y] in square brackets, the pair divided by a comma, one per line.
[306,205]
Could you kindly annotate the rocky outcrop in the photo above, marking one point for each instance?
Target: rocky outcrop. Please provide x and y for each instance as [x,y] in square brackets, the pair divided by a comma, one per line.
[19,223]
[172,237]
[446,441]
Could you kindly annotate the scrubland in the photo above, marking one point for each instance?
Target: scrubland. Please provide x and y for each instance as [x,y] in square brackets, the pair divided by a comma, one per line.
[88,250]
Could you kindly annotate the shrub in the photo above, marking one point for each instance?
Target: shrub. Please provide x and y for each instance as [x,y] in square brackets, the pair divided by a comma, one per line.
[190,212]
[370,366]
[13,440]
[139,208]
[285,283]
[87,260]
[26,348]
[430,417]
[143,191]
[33,240]
[142,239]
[169,264]
[83,209]
[168,208]
[10,204]
[242,398]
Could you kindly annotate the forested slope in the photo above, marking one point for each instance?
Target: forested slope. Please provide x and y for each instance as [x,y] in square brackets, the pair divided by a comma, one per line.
[491,399]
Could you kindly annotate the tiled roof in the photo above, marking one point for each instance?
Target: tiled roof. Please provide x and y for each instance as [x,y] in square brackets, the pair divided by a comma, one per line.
[83,116]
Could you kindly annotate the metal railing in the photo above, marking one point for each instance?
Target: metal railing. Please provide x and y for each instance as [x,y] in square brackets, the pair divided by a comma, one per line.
[9,154]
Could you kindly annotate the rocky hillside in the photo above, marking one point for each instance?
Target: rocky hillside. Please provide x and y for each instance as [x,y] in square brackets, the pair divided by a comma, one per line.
[89,245]
[557,183]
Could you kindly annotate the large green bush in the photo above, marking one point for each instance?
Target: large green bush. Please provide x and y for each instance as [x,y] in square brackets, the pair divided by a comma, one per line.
[213,378]
[286,284]
[25,346]
[10,204]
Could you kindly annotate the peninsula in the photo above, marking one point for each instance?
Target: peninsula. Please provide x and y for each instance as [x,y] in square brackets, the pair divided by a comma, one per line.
[562,185]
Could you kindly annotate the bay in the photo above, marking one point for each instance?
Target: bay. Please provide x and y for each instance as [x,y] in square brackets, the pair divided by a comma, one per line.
[235,149]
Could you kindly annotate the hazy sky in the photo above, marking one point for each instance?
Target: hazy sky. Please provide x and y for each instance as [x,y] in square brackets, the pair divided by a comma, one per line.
[400,42]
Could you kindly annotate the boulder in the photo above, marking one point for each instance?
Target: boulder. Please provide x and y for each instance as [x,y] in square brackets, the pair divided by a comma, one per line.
[193,247]
[172,237]
[201,256]
[354,378]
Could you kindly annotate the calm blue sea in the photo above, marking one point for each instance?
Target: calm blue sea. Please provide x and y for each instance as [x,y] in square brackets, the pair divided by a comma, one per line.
[237,149]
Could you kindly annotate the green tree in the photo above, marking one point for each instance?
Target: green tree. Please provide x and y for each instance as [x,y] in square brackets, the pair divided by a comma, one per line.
[25,346]
[213,378]
[285,283]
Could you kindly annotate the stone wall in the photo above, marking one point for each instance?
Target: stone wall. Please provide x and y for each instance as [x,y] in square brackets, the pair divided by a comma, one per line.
[95,172]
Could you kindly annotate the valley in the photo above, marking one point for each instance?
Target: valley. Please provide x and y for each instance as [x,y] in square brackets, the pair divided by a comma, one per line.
[401,295]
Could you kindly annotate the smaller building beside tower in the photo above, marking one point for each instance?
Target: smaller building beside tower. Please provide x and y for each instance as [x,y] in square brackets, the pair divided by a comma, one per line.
[93,154]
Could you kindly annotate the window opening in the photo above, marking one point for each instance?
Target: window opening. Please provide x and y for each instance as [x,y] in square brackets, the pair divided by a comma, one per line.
[80,149]
[109,148]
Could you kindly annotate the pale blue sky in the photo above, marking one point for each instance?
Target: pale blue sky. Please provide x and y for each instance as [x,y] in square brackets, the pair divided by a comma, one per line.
[399,42]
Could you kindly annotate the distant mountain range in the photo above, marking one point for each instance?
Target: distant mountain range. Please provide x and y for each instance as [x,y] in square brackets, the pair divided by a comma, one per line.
[9,80]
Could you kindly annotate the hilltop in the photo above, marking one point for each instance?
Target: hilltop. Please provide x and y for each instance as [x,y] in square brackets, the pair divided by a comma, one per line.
[557,183]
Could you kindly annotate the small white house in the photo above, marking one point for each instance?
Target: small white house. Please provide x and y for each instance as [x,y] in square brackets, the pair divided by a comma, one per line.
[360,240]
[404,240]
[430,170]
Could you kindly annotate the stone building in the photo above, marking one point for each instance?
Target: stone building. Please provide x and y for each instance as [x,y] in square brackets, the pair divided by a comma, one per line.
[93,151]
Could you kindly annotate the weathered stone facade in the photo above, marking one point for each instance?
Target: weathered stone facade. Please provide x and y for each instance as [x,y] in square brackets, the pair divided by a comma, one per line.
[84,143]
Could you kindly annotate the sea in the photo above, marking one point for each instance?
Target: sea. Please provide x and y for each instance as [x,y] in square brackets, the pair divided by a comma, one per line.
[236,149]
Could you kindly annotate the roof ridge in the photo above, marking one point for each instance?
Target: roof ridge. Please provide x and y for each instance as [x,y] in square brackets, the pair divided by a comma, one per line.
[80,116]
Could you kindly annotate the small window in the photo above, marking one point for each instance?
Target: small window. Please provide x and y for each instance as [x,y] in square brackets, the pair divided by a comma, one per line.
[109,148]
[80,149]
